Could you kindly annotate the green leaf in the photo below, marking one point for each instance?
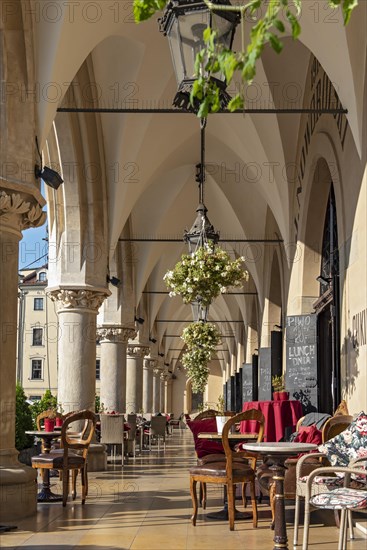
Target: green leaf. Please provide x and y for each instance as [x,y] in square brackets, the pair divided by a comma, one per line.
[348,7]
[275,43]
[236,103]
[296,27]
[279,25]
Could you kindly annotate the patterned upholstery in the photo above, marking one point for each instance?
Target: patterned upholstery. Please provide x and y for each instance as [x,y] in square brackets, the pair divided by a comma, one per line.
[348,445]
[340,498]
[329,481]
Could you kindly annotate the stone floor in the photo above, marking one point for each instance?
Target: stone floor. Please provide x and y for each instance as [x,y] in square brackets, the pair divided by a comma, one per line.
[146,505]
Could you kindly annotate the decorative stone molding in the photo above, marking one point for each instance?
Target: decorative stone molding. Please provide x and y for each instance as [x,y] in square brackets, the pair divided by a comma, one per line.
[157,371]
[19,213]
[116,333]
[78,298]
[137,351]
[150,363]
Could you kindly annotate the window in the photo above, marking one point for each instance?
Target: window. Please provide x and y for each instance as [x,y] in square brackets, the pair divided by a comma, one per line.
[37,337]
[36,369]
[98,369]
[35,398]
[42,276]
[38,304]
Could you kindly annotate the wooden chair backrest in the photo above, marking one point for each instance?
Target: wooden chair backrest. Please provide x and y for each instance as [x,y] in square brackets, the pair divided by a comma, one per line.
[211,412]
[82,441]
[335,425]
[251,414]
[46,414]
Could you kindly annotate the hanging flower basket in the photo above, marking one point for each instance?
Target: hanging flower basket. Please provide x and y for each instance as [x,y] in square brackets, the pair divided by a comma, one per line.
[205,274]
[195,362]
[202,335]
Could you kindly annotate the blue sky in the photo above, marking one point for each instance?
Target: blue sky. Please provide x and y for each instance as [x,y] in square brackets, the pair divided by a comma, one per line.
[32,246]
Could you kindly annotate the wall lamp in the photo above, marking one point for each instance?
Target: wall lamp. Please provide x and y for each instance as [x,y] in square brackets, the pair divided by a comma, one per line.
[161,354]
[324,280]
[166,364]
[139,320]
[152,340]
[49,176]
[113,280]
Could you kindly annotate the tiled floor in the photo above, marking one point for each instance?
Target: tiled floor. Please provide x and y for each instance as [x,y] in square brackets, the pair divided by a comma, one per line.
[147,506]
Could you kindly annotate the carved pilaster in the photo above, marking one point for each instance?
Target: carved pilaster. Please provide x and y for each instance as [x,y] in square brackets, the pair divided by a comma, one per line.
[116,333]
[20,211]
[68,299]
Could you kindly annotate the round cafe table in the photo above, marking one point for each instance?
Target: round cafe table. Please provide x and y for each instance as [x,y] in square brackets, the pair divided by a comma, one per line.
[277,454]
[46,495]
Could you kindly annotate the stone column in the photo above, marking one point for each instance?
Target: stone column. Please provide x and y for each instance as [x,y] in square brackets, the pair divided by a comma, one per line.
[148,366]
[156,390]
[162,393]
[77,310]
[134,377]
[18,210]
[113,342]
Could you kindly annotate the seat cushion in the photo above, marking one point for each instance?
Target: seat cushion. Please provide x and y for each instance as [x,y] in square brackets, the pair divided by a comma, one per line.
[218,469]
[56,460]
[205,447]
[341,498]
[349,444]
[218,457]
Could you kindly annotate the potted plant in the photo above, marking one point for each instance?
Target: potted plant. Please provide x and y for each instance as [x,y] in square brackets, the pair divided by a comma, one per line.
[50,421]
[59,419]
[279,393]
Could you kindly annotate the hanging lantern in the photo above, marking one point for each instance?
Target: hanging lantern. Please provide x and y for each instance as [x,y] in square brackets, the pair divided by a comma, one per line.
[184,22]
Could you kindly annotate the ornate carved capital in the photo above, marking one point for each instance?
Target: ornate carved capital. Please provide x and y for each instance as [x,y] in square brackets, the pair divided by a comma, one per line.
[78,298]
[19,211]
[116,333]
[157,371]
[150,363]
[137,351]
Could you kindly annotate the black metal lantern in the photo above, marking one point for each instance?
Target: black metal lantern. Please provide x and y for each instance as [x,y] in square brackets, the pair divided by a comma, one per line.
[202,231]
[184,22]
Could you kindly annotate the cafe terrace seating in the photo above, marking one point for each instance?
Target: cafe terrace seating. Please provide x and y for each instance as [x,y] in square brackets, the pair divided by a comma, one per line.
[112,433]
[229,471]
[72,456]
[344,498]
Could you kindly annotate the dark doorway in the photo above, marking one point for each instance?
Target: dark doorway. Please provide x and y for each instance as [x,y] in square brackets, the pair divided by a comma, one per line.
[328,315]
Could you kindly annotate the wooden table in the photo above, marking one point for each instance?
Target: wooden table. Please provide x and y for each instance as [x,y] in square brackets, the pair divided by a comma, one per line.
[278,453]
[46,495]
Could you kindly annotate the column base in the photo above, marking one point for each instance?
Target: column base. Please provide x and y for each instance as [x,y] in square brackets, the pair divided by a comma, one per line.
[18,488]
[97,457]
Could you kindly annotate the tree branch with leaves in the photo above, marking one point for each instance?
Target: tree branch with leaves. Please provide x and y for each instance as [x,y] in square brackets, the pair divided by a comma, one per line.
[279,17]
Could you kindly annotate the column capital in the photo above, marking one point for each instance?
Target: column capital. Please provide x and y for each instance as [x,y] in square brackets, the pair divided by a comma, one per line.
[137,351]
[78,298]
[116,333]
[150,363]
[20,211]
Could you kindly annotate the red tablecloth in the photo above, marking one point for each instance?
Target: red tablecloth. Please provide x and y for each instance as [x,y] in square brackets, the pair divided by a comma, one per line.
[278,416]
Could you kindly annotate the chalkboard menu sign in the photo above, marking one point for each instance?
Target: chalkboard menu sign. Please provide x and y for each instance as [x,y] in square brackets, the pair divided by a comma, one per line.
[301,360]
[264,374]
[247,394]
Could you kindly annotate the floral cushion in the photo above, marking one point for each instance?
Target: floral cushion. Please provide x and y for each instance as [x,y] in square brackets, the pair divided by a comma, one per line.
[340,498]
[330,481]
[349,444]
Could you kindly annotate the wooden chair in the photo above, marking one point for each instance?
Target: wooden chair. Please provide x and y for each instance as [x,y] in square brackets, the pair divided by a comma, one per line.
[67,458]
[112,433]
[228,471]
